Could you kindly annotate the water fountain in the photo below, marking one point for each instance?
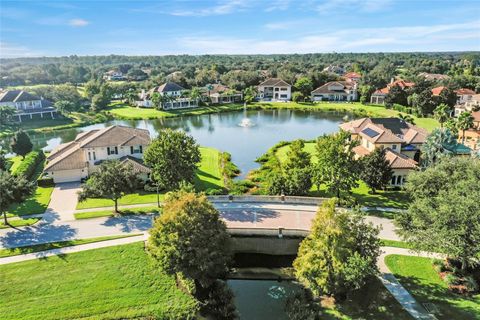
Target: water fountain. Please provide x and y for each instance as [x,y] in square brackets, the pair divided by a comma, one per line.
[245,123]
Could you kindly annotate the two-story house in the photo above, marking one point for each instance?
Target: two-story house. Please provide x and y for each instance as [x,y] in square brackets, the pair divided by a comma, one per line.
[172,97]
[26,104]
[76,160]
[378,97]
[352,77]
[470,105]
[400,140]
[218,93]
[274,89]
[336,91]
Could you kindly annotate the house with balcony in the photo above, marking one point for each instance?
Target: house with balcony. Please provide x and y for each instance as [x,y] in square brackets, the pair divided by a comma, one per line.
[172,96]
[76,160]
[471,105]
[401,141]
[464,95]
[336,91]
[219,94]
[378,97]
[26,104]
[274,89]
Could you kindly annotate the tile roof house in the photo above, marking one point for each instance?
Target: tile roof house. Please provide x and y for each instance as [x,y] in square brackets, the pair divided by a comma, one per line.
[26,104]
[352,76]
[336,91]
[218,93]
[173,94]
[433,76]
[472,104]
[274,89]
[464,95]
[378,97]
[400,140]
[77,159]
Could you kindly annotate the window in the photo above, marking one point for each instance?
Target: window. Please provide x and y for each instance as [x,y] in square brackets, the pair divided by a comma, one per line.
[112,150]
[394,146]
[89,156]
[94,156]
[283,89]
[276,89]
[137,149]
[394,178]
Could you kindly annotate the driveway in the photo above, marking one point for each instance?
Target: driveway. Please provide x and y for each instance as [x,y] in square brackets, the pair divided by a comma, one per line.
[63,202]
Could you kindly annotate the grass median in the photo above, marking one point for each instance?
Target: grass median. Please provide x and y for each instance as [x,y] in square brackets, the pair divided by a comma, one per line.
[111,213]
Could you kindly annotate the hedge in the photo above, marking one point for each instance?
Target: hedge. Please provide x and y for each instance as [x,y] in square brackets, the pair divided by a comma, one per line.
[29,164]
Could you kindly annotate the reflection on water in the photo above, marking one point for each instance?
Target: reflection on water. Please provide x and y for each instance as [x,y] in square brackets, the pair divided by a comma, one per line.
[222,131]
[262,299]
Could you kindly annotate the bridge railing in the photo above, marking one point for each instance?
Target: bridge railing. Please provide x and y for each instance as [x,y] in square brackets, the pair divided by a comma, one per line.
[268,232]
[268,199]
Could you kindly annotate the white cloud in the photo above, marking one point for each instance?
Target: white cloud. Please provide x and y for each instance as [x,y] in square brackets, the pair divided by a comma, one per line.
[222,8]
[10,50]
[327,6]
[277,5]
[78,22]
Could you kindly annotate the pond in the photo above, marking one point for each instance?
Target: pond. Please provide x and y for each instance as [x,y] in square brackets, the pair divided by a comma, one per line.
[262,299]
[223,131]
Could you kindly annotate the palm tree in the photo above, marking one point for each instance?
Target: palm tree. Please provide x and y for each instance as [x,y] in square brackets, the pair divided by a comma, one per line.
[442,113]
[435,146]
[465,122]
[131,95]
[406,117]
[195,94]
[249,94]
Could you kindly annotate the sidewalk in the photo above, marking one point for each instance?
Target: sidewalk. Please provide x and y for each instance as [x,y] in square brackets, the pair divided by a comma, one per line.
[72,249]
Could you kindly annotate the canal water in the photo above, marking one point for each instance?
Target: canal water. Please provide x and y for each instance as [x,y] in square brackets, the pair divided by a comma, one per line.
[223,131]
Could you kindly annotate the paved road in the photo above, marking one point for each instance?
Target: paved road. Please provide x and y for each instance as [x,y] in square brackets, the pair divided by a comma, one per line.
[236,215]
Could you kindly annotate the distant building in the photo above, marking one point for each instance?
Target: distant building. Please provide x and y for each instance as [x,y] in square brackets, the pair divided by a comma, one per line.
[352,77]
[113,75]
[26,104]
[378,97]
[401,141]
[76,160]
[464,95]
[470,105]
[218,93]
[336,91]
[172,97]
[274,89]
[438,90]
[334,69]
[433,76]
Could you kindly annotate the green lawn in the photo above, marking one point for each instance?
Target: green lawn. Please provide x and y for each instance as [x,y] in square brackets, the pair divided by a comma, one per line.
[35,204]
[15,162]
[395,244]
[111,213]
[208,177]
[393,199]
[55,245]
[19,222]
[353,107]
[127,112]
[423,282]
[111,283]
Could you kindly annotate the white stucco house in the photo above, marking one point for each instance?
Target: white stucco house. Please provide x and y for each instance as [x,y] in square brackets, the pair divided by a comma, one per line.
[274,89]
[173,95]
[336,91]
[76,160]
[26,104]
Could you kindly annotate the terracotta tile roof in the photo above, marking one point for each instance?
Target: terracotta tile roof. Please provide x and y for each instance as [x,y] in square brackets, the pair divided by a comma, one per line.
[354,126]
[464,91]
[399,161]
[377,134]
[361,151]
[352,75]
[274,82]
[437,90]
[401,83]
[326,87]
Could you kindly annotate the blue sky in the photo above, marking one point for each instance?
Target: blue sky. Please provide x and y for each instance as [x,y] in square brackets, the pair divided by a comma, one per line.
[53,28]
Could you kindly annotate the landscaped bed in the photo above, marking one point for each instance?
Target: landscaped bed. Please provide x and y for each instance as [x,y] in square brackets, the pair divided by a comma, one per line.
[111,283]
[418,276]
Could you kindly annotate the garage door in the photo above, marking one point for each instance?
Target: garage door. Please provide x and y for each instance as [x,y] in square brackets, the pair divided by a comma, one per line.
[68,175]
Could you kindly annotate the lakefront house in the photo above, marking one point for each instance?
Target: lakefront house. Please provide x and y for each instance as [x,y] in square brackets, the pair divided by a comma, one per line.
[378,97]
[76,160]
[336,91]
[218,93]
[172,97]
[26,104]
[274,89]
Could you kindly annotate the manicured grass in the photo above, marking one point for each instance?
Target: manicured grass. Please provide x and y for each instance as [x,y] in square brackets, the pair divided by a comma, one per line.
[208,177]
[353,107]
[56,245]
[381,213]
[35,204]
[111,213]
[123,111]
[15,162]
[395,244]
[392,199]
[18,223]
[117,282]
[423,282]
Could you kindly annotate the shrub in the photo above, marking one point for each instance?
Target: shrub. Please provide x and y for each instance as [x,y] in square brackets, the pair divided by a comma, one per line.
[214,192]
[29,164]
[471,284]
[439,265]
[45,182]
[451,279]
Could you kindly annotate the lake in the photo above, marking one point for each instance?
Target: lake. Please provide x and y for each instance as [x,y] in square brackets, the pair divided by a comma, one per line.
[222,131]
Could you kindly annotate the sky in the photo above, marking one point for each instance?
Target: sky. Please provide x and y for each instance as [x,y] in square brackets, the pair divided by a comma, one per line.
[86,27]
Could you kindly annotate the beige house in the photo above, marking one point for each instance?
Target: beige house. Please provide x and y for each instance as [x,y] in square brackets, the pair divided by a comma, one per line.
[378,97]
[76,160]
[274,89]
[26,104]
[173,97]
[336,91]
[218,93]
[471,105]
[400,140]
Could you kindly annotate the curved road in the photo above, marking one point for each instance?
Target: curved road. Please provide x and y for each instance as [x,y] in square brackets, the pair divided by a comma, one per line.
[236,215]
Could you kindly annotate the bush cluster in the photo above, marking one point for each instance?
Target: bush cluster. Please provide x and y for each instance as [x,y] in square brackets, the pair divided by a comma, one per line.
[29,164]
